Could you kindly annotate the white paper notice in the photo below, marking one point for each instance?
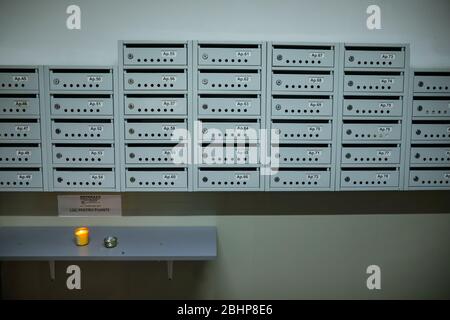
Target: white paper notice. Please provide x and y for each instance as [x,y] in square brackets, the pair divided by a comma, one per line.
[89,206]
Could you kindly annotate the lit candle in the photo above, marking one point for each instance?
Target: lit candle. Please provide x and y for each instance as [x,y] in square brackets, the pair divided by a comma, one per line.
[82,236]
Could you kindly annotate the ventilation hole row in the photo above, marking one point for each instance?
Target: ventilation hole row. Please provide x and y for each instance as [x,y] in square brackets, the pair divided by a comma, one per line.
[14,159]
[14,183]
[155,159]
[225,183]
[363,135]
[153,60]
[154,110]
[226,159]
[373,87]
[82,159]
[82,110]
[436,111]
[369,182]
[435,135]
[77,85]
[373,62]
[363,111]
[300,182]
[435,159]
[15,85]
[434,182]
[79,135]
[437,88]
[303,62]
[293,86]
[16,135]
[370,159]
[301,111]
[157,85]
[302,159]
[219,85]
[298,135]
[155,135]
[154,183]
[81,183]
[14,110]
[230,134]
[229,60]
[229,110]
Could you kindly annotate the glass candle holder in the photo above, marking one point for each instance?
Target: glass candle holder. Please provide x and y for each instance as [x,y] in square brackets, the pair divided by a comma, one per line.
[81,236]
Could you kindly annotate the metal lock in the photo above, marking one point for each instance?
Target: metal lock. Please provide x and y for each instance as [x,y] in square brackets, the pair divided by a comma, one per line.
[420,84]
[131,106]
[59,155]
[130,81]
[205,81]
[131,131]
[278,107]
[204,56]
[205,106]
[351,58]
[350,83]
[132,155]
[57,106]
[56,81]
[132,179]
[278,82]
[130,56]
[279,57]
[58,131]
[349,107]
[110,242]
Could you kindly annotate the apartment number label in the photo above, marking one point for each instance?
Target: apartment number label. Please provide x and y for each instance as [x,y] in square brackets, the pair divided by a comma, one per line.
[20,78]
[383,176]
[242,128]
[95,103]
[313,176]
[96,128]
[23,128]
[168,103]
[385,130]
[168,53]
[96,153]
[23,153]
[386,105]
[24,177]
[168,152]
[21,103]
[243,79]
[314,153]
[168,128]
[446,176]
[384,153]
[316,80]
[242,176]
[243,104]
[387,81]
[95,79]
[170,176]
[243,54]
[314,129]
[315,104]
[317,55]
[387,56]
[97,177]
[169,78]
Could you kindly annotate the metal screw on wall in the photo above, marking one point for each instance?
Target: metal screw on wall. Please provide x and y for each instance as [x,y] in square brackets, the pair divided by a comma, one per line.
[204,56]
[130,56]
[56,81]
[57,106]
[279,57]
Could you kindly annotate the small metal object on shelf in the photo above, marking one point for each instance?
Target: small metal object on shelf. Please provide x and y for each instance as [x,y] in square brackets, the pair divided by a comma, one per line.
[110,242]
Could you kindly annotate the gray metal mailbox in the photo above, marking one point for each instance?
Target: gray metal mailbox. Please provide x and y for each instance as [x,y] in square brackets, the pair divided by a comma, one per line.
[152,130]
[288,107]
[155,154]
[295,132]
[238,178]
[155,79]
[370,155]
[153,54]
[19,105]
[377,58]
[237,80]
[301,179]
[151,178]
[430,132]
[83,154]
[20,154]
[432,82]
[19,79]
[81,105]
[373,82]
[13,178]
[437,178]
[216,131]
[300,81]
[302,56]
[373,107]
[91,178]
[155,104]
[81,79]
[431,107]
[371,132]
[295,155]
[370,179]
[430,155]
[15,129]
[229,55]
[229,105]
[227,155]
[86,130]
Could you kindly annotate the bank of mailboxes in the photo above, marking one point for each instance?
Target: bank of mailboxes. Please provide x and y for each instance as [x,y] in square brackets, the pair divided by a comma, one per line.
[155,104]
[229,55]
[302,56]
[16,79]
[172,179]
[79,79]
[211,105]
[148,54]
[293,80]
[294,106]
[89,105]
[364,106]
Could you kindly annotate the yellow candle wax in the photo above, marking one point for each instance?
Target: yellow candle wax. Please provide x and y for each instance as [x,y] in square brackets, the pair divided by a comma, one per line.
[82,236]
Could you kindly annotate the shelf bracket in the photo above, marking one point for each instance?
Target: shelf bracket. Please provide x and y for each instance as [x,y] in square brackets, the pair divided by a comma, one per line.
[170,270]
[51,265]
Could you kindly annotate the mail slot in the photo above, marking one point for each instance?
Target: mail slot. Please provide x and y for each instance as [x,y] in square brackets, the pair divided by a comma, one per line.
[20,154]
[233,179]
[90,178]
[430,177]
[15,129]
[435,107]
[19,79]
[374,57]
[379,178]
[155,130]
[291,106]
[430,132]
[82,130]
[211,54]
[233,154]
[82,105]
[319,81]
[368,131]
[234,80]
[229,105]
[357,81]
[138,54]
[95,154]
[373,106]
[423,155]
[19,104]
[12,178]
[299,154]
[155,79]
[157,178]
[81,79]
[301,179]
[155,104]
[302,55]
[371,154]
[222,131]
[156,154]
[433,82]
[291,132]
